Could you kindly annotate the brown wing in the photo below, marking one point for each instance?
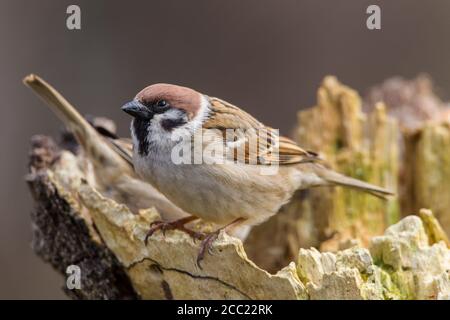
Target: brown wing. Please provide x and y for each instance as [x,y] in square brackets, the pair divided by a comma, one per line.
[270,147]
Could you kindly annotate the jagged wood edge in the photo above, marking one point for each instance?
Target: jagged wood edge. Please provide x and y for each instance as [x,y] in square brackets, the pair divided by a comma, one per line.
[62,238]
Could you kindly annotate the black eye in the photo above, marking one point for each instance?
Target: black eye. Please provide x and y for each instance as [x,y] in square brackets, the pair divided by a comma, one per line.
[162,103]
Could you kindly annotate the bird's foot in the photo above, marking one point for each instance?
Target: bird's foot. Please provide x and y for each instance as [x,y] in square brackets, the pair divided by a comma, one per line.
[206,245]
[209,239]
[173,225]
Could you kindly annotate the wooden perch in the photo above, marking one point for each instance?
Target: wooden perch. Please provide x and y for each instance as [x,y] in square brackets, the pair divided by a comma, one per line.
[164,269]
[75,224]
[76,221]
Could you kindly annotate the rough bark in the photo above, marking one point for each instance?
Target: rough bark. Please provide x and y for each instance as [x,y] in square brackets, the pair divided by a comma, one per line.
[62,237]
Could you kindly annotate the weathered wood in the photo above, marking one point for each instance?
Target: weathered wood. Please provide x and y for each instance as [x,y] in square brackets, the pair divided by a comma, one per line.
[425,122]
[75,224]
[427,171]
[359,145]
[62,236]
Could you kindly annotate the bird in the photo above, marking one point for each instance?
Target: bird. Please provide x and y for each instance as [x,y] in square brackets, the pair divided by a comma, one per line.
[246,186]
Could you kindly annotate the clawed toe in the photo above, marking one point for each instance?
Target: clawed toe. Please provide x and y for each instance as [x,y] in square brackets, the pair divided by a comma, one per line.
[174,225]
[154,223]
[154,226]
[206,245]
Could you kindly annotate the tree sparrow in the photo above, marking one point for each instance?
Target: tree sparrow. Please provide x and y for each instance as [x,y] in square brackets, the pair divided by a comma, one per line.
[233,190]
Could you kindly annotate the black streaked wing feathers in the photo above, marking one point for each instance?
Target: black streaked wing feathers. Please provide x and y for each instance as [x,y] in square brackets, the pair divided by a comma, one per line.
[227,116]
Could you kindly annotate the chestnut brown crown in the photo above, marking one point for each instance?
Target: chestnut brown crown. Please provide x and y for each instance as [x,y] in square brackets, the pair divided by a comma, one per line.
[179,97]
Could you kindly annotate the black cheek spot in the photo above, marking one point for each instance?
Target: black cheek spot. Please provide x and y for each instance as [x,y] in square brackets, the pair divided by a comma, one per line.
[170,124]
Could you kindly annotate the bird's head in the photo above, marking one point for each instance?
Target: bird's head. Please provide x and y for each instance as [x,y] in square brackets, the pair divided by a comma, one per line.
[161,109]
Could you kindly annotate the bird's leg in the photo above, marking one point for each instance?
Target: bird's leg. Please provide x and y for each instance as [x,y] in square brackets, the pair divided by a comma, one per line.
[211,237]
[173,225]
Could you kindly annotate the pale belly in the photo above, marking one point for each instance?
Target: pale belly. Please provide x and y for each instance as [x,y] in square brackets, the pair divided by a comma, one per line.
[218,193]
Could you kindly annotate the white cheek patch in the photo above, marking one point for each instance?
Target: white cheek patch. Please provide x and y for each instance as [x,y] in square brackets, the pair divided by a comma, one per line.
[160,135]
[156,132]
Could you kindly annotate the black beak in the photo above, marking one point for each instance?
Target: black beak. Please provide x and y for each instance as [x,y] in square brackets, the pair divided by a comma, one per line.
[137,110]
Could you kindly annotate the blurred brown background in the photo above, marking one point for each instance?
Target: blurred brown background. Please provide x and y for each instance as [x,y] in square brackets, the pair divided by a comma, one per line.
[267,56]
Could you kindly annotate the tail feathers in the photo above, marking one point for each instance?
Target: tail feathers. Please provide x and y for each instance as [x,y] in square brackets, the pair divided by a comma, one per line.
[339,179]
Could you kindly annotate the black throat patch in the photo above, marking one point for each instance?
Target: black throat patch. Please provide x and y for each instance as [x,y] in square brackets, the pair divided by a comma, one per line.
[141,131]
